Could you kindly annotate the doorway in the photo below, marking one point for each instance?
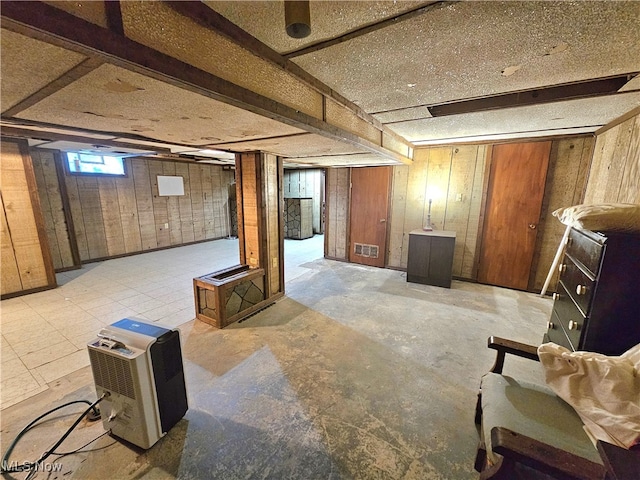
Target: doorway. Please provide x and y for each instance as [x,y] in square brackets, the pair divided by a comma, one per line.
[514,202]
[303,218]
[369,213]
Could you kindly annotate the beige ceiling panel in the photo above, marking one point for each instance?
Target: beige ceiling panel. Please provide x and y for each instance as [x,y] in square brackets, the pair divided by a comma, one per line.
[304,145]
[506,136]
[92,11]
[113,99]
[633,84]
[158,26]
[265,20]
[159,145]
[403,114]
[27,65]
[346,119]
[355,160]
[39,131]
[461,50]
[590,112]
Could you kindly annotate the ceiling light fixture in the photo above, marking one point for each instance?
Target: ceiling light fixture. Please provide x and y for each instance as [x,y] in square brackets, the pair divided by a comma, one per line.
[297,18]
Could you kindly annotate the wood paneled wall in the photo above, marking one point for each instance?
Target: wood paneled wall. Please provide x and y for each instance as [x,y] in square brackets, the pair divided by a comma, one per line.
[460,175]
[566,178]
[25,257]
[121,215]
[45,167]
[457,174]
[337,212]
[615,169]
[306,183]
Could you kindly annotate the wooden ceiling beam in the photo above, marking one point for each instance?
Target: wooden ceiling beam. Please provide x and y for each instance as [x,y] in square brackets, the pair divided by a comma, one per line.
[75,73]
[553,93]
[205,16]
[52,25]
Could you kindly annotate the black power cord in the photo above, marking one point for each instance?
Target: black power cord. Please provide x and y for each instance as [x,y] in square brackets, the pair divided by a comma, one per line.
[32,467]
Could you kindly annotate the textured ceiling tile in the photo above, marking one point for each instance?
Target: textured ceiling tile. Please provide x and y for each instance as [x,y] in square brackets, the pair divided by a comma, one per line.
[158,26]
[633,84]
[359,159]
[294,146]
[403,114]
[115,100]
[461,50]
[92,11]
[265,19]
[592,113]
[27,65]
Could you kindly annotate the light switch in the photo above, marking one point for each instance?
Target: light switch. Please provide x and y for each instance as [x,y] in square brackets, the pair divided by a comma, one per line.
[459,197]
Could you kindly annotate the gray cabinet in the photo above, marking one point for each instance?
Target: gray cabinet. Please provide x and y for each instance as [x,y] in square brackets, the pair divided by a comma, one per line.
[431,257]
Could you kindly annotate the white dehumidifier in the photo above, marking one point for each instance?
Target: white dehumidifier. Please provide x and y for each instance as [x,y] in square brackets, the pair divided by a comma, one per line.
[138,366]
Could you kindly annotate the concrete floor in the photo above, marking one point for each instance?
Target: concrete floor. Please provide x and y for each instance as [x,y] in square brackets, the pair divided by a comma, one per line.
[354,374]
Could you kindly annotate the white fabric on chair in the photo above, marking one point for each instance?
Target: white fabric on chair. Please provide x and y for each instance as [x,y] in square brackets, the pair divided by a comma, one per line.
[603,390]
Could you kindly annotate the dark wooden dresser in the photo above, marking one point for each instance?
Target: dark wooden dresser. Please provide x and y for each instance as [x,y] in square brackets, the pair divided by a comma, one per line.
[597,303]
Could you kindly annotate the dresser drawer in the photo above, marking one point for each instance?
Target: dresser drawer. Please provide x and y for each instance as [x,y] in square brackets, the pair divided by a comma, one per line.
[555,332]
[585,250]
[571,319]
[577,284]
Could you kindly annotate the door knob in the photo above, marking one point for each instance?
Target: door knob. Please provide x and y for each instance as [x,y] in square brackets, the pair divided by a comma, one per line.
[532,226]
[581,289]
[573,325]
[382,220]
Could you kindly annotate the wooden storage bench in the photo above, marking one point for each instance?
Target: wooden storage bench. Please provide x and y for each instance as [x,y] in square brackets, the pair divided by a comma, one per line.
[229,295]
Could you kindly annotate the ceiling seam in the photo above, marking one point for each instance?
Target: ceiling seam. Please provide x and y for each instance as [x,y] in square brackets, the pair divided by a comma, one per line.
[368,29]
[456,140]
[289,135]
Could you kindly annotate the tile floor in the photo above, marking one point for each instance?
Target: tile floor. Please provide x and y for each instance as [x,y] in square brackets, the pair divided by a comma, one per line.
[44,335]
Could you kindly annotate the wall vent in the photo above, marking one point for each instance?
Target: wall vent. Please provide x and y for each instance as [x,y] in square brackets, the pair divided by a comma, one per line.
[363,250]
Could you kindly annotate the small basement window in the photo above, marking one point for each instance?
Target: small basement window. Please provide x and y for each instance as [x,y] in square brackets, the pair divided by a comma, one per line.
[91,164]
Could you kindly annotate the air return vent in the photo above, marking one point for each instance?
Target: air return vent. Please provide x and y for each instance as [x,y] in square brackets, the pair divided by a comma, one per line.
[364,250]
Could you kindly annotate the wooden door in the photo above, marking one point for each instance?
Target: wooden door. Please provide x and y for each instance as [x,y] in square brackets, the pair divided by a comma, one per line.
[369,213]
[514,201]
